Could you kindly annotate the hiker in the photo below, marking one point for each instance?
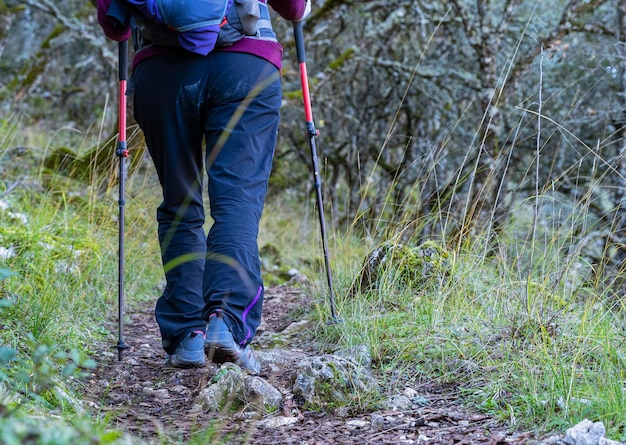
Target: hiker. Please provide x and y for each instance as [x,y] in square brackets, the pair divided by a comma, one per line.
[230,99]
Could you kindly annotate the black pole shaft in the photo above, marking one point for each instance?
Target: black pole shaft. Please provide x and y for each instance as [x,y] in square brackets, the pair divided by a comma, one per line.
[320,207]
[312,133]
[121,264]
[122,154]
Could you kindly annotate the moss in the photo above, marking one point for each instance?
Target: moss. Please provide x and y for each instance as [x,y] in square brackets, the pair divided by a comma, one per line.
[275,341]
[416,265]
[411,266]
[270,409]
[57,31]
[293,95]
[329,396]
[340,392]
[274,271]
[341,60]
[100,161]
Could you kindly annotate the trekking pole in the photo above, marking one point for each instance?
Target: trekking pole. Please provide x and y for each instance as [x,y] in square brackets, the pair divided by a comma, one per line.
[122,154]
[312,133]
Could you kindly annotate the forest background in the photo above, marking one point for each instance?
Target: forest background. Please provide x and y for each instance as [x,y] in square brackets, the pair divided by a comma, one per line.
[444,113]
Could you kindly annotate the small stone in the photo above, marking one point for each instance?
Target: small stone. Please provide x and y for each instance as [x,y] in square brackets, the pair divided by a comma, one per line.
[398,402]
[179,389]
[260,394]
[343,411]
[377,420]
[357,423]
[162,394]
[278,422]
[410,393]
[119,397]
[158,393]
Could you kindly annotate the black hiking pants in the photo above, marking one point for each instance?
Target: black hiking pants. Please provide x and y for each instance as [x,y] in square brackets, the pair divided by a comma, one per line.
[230,101]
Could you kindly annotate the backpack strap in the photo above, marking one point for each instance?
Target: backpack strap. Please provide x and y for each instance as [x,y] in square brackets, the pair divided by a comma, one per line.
[247,18]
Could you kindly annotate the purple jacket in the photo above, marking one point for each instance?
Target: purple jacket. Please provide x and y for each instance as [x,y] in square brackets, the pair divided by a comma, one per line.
[268,50]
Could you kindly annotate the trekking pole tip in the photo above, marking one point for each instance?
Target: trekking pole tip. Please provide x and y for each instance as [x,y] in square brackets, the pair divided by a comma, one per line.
[334,320]
[121,346]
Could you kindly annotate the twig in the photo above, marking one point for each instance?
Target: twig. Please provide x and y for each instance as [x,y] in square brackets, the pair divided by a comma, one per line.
[538,150]
[13,186]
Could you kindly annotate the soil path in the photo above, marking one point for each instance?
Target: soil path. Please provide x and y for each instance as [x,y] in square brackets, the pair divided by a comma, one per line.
[147,399]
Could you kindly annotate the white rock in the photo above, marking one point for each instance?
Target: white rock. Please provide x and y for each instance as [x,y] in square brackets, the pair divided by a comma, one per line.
[6,253]
[19,217]
[397,402]
[358,423]
[410,393]
[585,433]
[278,422]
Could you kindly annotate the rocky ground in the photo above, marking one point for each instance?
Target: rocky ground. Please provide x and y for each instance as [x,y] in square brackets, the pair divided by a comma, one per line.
[155,403]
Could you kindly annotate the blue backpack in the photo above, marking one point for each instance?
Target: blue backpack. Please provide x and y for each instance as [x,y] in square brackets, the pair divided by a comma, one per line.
[195,25]
[191,24]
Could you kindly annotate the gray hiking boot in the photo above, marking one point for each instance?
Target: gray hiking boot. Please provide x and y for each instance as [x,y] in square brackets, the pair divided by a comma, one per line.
[189,353]
[220,346]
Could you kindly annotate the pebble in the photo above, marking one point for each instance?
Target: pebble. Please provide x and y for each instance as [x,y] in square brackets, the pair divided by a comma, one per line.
[377,420]
[179,389]
[358,423]
[278,422]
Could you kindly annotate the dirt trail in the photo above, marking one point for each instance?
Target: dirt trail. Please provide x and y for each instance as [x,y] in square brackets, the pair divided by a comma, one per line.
[147,399]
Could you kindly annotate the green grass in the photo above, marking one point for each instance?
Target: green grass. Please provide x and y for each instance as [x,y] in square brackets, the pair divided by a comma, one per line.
[519,324]
[59,243]
[529,346]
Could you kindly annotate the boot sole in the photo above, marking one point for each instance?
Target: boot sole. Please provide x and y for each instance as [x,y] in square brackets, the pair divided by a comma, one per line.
[219,354]
[184,364]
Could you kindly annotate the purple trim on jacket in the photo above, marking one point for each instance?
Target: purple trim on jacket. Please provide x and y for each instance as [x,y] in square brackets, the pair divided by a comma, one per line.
[270,51]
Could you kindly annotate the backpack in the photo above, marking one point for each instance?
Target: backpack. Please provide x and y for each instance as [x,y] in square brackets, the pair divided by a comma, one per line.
[191,24]
[195,25]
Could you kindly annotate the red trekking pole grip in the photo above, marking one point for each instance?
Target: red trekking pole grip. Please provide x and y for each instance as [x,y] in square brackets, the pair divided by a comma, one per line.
[304,78]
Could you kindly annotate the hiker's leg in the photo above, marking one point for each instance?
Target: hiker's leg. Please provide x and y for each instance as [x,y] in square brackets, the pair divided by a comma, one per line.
[244,97]
[166,108]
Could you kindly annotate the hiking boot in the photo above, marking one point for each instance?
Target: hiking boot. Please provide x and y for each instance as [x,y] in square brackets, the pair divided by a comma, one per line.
[189,353]
[220,346]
